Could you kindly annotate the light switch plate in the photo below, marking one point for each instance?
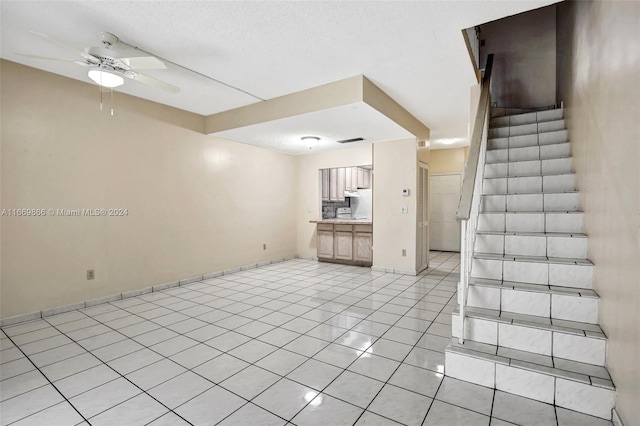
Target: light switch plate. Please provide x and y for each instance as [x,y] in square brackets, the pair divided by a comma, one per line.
[405,192]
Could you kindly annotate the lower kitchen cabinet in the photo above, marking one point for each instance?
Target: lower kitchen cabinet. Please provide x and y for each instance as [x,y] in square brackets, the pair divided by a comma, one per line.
[341,243]
[325,241]
[362,242]
[343,237]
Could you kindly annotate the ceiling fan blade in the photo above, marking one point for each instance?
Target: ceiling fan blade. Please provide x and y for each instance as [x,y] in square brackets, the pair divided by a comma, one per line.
[153,82]
[58,42]
[144,63]
[46,58]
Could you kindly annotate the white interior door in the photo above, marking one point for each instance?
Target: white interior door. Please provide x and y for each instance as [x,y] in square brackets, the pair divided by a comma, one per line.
[422,213]
[445,196]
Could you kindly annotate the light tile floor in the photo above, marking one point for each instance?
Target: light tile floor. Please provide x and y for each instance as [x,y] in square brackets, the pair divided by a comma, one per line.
[298,342]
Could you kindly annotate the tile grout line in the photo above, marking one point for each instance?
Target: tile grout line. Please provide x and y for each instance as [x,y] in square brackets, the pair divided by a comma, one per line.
[50,382]
[361,319]
[121,376]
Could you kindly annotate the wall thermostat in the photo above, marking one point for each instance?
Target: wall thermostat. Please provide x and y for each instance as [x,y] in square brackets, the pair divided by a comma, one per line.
[405,192]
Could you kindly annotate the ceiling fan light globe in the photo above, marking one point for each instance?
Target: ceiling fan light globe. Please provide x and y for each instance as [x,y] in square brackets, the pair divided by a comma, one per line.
[310,141]
[105,78]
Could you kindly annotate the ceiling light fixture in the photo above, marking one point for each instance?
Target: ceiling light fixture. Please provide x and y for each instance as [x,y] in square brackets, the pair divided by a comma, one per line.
[310,141]
[106,78]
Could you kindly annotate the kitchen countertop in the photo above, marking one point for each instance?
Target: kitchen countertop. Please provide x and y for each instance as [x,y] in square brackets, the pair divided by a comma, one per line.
[344,221]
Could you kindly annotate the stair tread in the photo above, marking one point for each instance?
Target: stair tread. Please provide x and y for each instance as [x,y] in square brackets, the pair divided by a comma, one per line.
[533,175]
[538,259]
[544,323]
[559,157]
[535,193]
[564,157]
[535,234]
[538,288]
[529,146]
[554,366]
[529,124]
[533,212]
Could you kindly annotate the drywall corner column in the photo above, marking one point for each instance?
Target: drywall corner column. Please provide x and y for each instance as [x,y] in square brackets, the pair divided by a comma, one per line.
[395,167]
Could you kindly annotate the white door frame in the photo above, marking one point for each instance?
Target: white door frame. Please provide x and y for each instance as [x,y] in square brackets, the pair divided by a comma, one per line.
[461,174]
[423,226]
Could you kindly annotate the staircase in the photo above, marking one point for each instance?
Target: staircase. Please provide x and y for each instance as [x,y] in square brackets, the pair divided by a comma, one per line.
[531,317]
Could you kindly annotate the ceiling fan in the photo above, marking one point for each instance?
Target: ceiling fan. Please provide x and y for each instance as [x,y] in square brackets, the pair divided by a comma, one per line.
[108,67]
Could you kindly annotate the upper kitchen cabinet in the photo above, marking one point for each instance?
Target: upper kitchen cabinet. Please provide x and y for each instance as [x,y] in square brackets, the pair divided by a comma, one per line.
[341,183]
[338,180]
[333,185]
[364,178]
[354,178]
[325,184]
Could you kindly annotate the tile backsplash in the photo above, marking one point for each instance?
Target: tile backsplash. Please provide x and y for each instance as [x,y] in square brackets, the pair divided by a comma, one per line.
[329,208]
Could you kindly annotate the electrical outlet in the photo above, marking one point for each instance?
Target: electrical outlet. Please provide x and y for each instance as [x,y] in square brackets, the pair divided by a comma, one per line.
[264,246]
[404,209]
[404,252]
[91,274]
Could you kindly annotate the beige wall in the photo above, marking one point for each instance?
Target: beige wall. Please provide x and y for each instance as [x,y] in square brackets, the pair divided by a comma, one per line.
[448,160]
[196,204]
[308,190]
[599,64]
[524,66]
[395,168]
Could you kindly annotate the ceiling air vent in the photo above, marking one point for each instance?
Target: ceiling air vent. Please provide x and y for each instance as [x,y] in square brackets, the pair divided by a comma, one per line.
[351,140]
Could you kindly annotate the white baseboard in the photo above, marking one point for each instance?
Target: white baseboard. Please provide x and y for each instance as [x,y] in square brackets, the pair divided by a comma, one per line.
[4,322]
[393,271]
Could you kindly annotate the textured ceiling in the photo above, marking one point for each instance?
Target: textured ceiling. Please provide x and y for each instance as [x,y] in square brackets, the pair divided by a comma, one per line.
[413,51]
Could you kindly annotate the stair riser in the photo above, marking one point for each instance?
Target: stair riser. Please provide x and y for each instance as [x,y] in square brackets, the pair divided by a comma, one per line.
[564,202]
[528,168]
[530,222]
[579,348]
[526,129]
[556,274]
[529,185]
[523,141]
[543,152]
[565,393]
[528,118]
[527,245]
[556,306]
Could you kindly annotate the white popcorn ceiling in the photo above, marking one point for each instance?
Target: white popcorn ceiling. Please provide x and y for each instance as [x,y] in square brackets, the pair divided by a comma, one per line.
[414,51]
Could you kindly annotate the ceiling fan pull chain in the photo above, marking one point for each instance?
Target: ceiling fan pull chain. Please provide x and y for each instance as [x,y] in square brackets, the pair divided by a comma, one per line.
[100,89]
[112,102]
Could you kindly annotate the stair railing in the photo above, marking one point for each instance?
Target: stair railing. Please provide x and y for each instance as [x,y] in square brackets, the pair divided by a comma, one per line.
[471,194]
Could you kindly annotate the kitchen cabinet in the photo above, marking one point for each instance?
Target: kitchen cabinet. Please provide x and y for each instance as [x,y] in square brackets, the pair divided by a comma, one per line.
[325,240]
[347,180]
[338,180]
[325,184]
[341,183]
[345,243]
[333,185]
[360,177]
[364,178]
[367,179]
[354,178]
[362,243]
